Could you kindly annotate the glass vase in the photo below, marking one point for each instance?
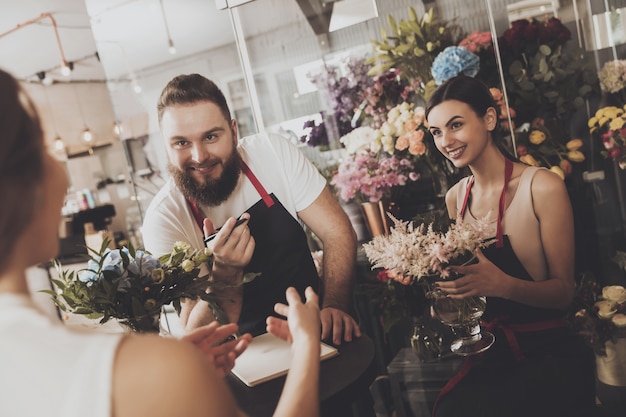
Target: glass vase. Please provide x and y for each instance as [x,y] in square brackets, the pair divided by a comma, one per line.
[426,342]
[463,316]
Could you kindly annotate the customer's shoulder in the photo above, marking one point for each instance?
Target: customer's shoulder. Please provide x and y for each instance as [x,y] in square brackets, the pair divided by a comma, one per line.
[140,369]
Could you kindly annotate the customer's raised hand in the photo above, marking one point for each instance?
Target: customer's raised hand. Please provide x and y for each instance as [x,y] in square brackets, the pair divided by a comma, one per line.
[217,344]
[303,319]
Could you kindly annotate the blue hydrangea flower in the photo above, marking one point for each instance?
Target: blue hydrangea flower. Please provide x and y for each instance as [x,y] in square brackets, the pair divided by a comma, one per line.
[113,262]
[452,61]
[143,264]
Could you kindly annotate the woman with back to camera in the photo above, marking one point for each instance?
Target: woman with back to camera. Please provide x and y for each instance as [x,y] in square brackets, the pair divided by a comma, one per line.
[537,366]
[49,369]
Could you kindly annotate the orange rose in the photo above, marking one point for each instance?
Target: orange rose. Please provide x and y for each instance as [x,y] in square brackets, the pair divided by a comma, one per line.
[496,93]
[418,148]
[402,143]
[410,125]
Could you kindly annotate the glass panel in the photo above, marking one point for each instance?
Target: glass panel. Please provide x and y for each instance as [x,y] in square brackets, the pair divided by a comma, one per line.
[294,52]
[142,45]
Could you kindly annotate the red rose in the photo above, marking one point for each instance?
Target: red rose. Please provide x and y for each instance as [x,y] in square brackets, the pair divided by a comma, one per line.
[521,150]
[615,153]
[557,30]
[382,276]
[531,32]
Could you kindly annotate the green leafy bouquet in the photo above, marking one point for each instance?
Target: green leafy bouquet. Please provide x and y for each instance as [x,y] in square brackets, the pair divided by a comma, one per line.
[411,46]
[132,285]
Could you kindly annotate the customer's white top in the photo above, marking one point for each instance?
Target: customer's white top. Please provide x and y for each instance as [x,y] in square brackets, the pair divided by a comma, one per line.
[47,369]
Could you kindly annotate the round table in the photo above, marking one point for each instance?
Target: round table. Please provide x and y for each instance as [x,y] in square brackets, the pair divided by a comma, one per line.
[343,380]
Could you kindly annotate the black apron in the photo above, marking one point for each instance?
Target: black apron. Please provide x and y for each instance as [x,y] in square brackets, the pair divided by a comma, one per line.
[536,367]
[281,255]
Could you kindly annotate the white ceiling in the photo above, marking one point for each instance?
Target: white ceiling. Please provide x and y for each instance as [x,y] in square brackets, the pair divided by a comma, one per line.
[131,34]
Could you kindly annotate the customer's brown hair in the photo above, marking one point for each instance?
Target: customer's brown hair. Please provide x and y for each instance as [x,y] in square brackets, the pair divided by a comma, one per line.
[21,162]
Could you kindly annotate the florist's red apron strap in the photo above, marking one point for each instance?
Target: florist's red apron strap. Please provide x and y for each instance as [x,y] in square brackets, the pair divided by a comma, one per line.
[510,330]
[508,171]
[465,368]
[267,199]
[470,182]
[196,213]
[269,202]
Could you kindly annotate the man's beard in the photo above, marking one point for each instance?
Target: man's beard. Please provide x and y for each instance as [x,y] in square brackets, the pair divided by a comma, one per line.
[214,191]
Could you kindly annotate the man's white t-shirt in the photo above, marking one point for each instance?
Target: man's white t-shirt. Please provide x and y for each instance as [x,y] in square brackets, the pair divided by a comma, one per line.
[280,167]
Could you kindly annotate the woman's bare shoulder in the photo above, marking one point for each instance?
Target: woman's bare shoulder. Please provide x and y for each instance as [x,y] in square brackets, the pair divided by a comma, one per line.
[163,377]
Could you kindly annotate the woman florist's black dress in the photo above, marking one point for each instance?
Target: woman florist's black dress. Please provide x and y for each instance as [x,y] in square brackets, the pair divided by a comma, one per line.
[536,367]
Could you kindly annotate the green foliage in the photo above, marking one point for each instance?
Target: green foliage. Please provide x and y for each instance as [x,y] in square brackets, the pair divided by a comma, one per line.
[411,46]
[546,74]
[128,284]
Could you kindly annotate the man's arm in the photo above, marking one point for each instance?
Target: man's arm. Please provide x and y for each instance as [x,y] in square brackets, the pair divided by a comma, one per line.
[233,248]
[331,225]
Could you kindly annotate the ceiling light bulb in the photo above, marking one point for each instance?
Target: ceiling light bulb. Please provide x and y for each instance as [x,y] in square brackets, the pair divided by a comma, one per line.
[172,48]
[117,129]
[66,70]
[58,143]
[87,135]
[136,88]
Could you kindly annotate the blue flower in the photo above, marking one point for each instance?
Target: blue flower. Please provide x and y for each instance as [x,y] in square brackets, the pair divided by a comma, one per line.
[143,264]
[452,61]
[113,262]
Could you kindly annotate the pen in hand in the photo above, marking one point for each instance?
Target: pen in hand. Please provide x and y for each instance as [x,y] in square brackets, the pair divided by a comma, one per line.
[212,236]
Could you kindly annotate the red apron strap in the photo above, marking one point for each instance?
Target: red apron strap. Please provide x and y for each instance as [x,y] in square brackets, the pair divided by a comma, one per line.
[196,213]
[465,368]
[508,171]
[509,331]
[470,182]
[269,202]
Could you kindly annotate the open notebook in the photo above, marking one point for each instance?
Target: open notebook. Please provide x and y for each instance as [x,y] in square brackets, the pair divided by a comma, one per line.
[268,357]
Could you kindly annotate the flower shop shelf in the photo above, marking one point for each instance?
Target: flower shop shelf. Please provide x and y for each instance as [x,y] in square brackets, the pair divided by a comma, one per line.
[415,385]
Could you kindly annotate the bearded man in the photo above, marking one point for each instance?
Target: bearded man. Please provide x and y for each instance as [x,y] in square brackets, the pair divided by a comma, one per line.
[217,178]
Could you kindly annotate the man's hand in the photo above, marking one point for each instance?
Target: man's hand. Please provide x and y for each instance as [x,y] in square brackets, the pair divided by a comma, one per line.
[303,319]
[213,341]
[337,323]
[233,247]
